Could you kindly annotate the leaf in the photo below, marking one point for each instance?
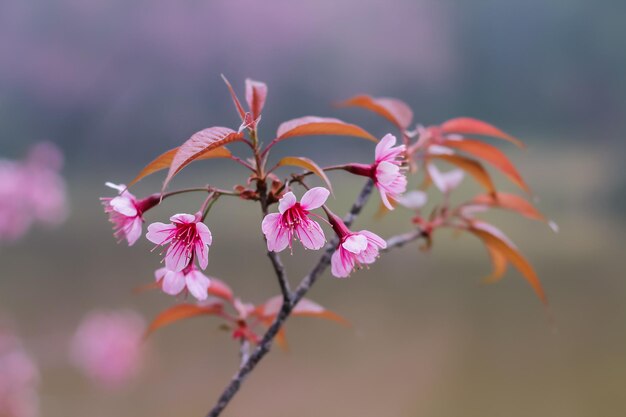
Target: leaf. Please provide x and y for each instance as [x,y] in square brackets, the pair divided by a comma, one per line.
[312,125]
[472,167]
[305,307]
[181,312]
[470,126]
[307,164]
[198,144]
[240,110]
[510,202]
[514,257]
[394,110]
[491,154]
[256,93]
[164,161]
[499,263]
[220,289]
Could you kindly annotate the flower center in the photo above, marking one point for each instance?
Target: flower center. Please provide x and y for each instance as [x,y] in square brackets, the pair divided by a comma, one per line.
[294,216]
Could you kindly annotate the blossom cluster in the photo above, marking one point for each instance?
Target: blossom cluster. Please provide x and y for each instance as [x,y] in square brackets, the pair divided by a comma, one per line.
[31,191]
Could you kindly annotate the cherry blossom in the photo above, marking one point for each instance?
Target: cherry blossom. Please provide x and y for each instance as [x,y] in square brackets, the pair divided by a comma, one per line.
[354,248]
[173,282]
[293,220]
[186,236]
[107,346]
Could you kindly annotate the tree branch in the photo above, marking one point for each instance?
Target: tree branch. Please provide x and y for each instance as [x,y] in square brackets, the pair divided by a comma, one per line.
[265,344]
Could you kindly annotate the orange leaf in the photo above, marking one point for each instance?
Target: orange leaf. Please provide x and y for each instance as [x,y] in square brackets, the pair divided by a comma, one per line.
[512,255]
[307,164]
[490,154]
[220,289]
[256,94]
[197,145]
[313,125]
[472,167]
[164,161]
[181,312]
[499,262]
[394,110]
[510,202]
[470,126]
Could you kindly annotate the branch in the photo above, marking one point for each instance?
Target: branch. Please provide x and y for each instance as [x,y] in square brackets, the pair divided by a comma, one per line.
[304,286]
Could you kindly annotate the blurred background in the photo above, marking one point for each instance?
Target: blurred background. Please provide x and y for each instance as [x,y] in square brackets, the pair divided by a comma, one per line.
[115,83]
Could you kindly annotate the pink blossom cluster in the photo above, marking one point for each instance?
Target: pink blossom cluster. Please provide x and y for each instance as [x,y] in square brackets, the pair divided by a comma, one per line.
[107,347]
[19,379]
[31,191]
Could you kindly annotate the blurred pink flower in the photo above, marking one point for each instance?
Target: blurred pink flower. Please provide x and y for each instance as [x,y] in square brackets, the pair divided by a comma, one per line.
[19,379]
[173,282]
[186,235]
[354,249]
[293,218]
[107,346]
[31,191]
[126,212]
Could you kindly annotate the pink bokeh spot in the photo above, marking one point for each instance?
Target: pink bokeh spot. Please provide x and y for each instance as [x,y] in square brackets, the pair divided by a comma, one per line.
[293,220]
[107,347]
[186,236]
[19,379]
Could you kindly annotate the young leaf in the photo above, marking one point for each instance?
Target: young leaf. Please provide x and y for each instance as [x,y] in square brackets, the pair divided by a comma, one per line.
[305,307]
[201,142]
[164,161]
[312,125]
[510,202]
[240,110]
[470,126]
[394,110]
[220,289]
[499,263]
[514,257]
[256,93]
[472,167]
[492,155]
[307,164]
[181,312]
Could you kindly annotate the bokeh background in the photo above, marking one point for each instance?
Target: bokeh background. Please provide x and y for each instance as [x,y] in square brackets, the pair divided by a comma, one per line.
[115,83]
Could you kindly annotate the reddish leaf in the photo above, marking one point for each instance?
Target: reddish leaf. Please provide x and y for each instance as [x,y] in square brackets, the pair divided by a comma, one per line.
[510,202]
[197,145]
[394,110]
[181,312]
[490,154]
[240,110]
[499,263]
[220,289]
[510,252]
[312,125]
[256,93]
[470,126]
[307,164]
[164,161]
[472,167]
[305,307]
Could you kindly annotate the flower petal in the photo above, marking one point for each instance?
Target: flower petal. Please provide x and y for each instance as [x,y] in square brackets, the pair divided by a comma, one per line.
[341,266]
[159,274]
[124,205]
[374,238]
[134,231]
[173,282]
[177,257]
[198,284]
[160,233]
[202,253]
[355,243]
[314,198]
[204,233]
[183,218]
[311,235]
[383,146]
[386,172]
[413,199]
[288,201]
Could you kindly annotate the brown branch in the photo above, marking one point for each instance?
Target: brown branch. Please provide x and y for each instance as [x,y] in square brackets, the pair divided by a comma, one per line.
[266,342]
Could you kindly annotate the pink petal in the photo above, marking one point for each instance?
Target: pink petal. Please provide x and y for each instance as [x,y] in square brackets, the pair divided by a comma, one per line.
[413,199]
[285,203]
[177,257]
[341,266]
[183,218]
[314,198]
[134,231]
[270,223]
[159,274]
[173,282]
[160,233]
[386,172]
[202,253]
[383,146]
[384,198]
[374,238]
[124,205]
[355,243]
[118,187]
[277,236]
[204,233]
[198,284]
[311,235]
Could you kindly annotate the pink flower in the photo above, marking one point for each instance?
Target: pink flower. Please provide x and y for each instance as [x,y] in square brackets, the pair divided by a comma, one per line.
[354,249]
[186,236]
[173,283]
[388,176]
[107,346]
[126,213]
[293,219]
[19,378]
